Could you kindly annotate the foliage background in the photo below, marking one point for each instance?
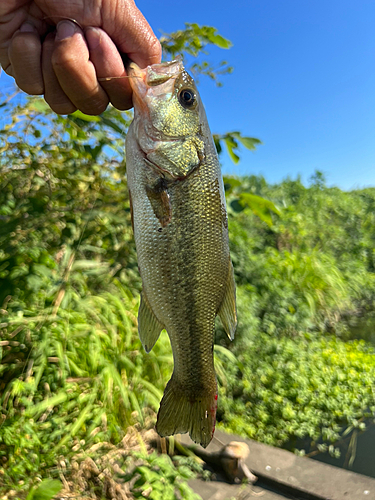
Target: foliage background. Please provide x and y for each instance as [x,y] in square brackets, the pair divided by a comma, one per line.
[73,373]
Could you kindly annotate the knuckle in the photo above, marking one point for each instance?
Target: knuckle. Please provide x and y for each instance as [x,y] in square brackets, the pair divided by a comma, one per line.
[119,93]
[62,59]
[31,88]
[93,106]
[70,54]
[155,49]
[24,55]
[60,104]
[123,103]
[24,42]
[7,69]
[62,108]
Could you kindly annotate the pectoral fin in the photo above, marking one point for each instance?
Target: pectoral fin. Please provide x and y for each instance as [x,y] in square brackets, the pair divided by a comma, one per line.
[149,327]
[228,311]
[161,205]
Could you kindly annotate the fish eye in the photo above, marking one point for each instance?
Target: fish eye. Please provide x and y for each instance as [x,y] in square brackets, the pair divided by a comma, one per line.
[187,98]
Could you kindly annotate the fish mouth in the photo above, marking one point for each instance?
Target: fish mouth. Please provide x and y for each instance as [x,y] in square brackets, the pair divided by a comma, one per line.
[154,81]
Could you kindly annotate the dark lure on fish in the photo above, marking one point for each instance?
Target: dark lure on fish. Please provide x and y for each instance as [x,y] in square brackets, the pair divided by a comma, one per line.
[181,234]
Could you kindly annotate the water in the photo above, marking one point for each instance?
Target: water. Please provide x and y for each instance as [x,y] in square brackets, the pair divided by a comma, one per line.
[358,448]
[362,328]
[362,453]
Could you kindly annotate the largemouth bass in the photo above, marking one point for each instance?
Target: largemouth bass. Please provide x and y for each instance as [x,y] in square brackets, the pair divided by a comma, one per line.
[181,233]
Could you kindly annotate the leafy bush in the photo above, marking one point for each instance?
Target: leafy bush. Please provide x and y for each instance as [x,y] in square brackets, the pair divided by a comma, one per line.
[54,196]
[74,370]
[160,478]
[304,255]
[283,388]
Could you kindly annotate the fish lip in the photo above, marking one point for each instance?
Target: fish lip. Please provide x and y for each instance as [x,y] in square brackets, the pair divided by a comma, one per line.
[152,74]
[143,80]
[160,73]
[138,84]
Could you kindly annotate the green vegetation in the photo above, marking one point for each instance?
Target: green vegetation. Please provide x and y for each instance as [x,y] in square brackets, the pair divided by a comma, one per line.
[304,262]
[309,263]
[154,466]
[73,374]
[284,388]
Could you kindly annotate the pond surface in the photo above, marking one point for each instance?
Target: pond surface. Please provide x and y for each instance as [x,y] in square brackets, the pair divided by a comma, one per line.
[360,457]
[362,328]
[358,451]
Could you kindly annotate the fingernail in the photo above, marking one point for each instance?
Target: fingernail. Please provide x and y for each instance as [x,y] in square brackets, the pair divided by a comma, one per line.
[65,29]
[28,28]
[93,37]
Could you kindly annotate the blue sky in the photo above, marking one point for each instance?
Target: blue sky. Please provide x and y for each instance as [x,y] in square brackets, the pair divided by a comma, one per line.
[303,83]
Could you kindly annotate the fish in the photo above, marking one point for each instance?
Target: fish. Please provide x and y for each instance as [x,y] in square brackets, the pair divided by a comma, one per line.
[180,226]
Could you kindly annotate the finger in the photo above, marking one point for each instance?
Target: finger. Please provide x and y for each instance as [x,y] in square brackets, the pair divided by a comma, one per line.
[53,93]
[108,64]
[75,72]
[25,57]
[131,33]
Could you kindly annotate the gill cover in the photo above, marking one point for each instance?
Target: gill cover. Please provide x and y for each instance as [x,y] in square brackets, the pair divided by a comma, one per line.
[166,118]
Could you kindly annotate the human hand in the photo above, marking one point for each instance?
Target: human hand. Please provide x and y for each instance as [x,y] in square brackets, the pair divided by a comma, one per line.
[68,62]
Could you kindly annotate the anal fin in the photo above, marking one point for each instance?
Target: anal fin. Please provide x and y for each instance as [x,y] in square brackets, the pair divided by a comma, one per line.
[228,310]
[149,327]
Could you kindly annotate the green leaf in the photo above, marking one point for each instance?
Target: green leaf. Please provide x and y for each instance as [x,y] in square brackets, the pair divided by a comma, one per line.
[39,105]
[193,40]
[260,206]
[83,116]
[39,408]
[248,142]
[232,140]
[113,125]
[225,352]
[231,146]
[19,271]
[220,41]
[46,490]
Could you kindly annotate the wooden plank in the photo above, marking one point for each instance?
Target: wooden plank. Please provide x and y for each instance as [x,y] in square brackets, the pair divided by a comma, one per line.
[297,476]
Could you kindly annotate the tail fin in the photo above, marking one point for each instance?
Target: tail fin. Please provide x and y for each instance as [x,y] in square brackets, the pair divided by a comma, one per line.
[179,414]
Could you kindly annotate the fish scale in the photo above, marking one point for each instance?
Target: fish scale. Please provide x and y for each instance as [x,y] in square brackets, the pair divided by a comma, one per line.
[180,230]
